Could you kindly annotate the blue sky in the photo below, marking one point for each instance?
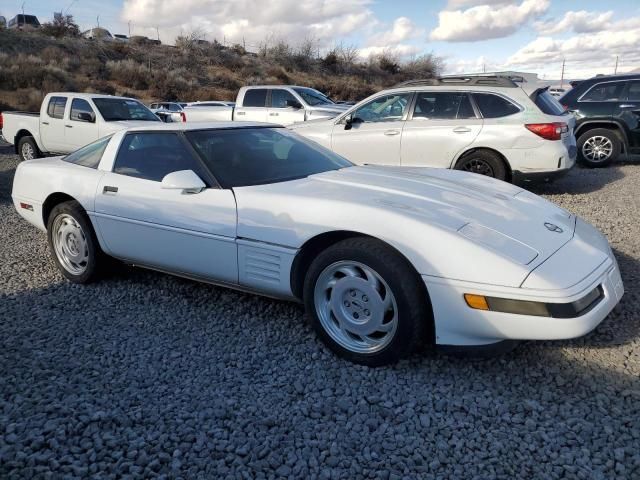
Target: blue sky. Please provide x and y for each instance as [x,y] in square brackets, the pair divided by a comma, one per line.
[470,35]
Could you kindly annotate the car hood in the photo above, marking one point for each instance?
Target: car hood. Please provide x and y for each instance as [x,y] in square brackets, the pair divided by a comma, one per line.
[491,213]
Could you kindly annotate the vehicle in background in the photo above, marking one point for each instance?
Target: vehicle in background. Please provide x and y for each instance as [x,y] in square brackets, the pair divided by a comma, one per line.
[211,103]
[281,104]
[120,38]
[68,121]
[169,111]
[98,34]
[24,22]
[3,22]
[483,124]
[607,109]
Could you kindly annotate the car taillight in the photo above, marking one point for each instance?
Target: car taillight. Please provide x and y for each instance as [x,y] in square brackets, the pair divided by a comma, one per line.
[183,116]
[548,131]
[1,121]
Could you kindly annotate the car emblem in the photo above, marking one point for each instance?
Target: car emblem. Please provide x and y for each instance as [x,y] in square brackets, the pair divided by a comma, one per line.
[553,228]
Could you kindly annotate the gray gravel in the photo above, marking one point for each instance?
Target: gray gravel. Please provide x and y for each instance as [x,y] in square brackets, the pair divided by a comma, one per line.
[146,375]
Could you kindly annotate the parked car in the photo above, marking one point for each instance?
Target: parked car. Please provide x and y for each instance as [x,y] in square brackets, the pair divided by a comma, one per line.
[169,111]
[68,121]
[384,258]
[24,22]
[486,125]
[3,22]
[119,37]
[281,104]
[98,34]
[211,103]
[607,109]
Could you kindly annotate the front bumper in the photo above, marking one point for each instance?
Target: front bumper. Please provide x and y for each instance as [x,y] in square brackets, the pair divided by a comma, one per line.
[457,324]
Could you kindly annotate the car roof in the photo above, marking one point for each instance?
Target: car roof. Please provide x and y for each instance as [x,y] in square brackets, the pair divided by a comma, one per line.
[183,127]
[91,95]
[607,78]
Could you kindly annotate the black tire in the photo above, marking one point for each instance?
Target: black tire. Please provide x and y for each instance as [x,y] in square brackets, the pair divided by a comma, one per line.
[26,144]
[414,324]
[593,136]
[483,162]
[95,258]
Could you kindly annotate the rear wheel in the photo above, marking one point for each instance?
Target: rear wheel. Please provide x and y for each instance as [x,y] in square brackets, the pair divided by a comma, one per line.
[483,162]
[599,147]
[366,302]
[28,149]
[73,243]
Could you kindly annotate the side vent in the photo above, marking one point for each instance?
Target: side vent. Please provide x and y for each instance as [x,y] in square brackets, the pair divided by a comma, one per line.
[262,266]
[265,267]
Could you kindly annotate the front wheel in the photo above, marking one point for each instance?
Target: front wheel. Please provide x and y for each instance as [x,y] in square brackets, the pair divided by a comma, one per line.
[73,243]
[28,149]
[366,302]
[599,147]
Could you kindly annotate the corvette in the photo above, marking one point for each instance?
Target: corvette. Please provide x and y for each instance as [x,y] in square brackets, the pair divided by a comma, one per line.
[385,259]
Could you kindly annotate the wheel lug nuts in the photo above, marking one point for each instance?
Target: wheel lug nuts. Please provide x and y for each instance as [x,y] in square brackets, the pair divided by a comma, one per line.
[366,312]
[355,315]
[365,298]
[353,293]
[346,304]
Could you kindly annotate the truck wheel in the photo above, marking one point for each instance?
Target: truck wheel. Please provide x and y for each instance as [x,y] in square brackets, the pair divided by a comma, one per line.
[28,149]
[599,147]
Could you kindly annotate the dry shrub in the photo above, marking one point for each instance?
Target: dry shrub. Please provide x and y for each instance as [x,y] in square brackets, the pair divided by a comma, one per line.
[128,72]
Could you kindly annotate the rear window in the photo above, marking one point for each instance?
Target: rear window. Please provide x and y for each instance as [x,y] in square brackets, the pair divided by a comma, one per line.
[255,97]
[89,155]
[547,103]
[494,106]
[55,109]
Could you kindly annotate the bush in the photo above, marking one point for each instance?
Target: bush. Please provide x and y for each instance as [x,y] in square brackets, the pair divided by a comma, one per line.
[62,26]
[129,72]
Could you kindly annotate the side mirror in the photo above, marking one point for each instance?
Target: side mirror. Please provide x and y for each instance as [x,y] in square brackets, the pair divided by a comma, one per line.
[185,180]
[350,121]
[86,117]
[294,104]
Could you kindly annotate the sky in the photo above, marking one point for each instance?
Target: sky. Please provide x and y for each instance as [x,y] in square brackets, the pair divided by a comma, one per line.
[470,35]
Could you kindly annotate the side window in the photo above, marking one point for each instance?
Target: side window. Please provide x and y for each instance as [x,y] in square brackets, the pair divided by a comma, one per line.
[174,107]
[78,106]
[151,156]
[443,105]
[633,92]
[603,92]
[55,109]
[153,105]
[279,98]
[383,109]
[90,155]
[255,97]
[494,106]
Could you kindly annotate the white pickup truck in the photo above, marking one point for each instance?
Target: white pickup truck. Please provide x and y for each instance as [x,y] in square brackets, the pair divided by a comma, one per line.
[68,121]
[282,104]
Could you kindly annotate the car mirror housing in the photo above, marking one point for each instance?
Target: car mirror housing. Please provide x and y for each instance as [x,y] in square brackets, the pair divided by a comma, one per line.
[186,180]
[294,104]
[86,117]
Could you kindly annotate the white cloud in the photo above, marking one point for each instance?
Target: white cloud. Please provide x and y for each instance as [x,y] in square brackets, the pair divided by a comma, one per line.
[578,22]
[457,4]
[402,29]
[399,51]
[252,21]
[485,21]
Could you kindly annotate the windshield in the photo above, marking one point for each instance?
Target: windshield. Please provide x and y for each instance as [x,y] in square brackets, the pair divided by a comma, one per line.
[241,157]
[113,109]
[548,104]
[313,97]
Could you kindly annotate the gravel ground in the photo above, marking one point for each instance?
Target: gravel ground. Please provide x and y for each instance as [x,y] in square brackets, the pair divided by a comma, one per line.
[147,375]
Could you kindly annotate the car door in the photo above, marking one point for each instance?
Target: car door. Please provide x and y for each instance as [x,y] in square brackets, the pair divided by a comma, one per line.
[281,109]
[254,106]
[168,229]
[80,131]
[439,126]
[52,125]
[628,110]
[372,133]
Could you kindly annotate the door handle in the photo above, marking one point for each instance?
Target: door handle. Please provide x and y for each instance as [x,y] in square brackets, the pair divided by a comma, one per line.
[69,126]
[391,133]
[274,114]
[240,113]
[461,130]
[628,105]
[109,189]
[45,123]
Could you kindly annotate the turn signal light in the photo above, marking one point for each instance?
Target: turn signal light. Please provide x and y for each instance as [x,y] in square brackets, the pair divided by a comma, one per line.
[477,302]
[548,131]
[184,116]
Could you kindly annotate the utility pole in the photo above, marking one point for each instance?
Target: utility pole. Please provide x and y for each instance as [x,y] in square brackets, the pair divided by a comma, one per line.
[22,8]
[157,33]
[562,74]
[615,70]
[98,20]
[129,23]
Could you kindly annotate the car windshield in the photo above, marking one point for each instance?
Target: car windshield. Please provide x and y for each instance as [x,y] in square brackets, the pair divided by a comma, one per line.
[113,109]
[313,97]
[242,157]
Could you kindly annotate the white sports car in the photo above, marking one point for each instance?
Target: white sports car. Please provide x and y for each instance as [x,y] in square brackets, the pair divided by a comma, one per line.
[384,258]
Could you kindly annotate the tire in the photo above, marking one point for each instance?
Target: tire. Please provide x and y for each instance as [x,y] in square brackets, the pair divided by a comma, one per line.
[599,147]
[483,162]
[28,149]
[374,335]
[73,243]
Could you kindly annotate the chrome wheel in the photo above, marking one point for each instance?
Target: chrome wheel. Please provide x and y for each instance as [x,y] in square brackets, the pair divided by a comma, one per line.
[27,151]
[597,149]
[356,307]
[70,244]
[476,165]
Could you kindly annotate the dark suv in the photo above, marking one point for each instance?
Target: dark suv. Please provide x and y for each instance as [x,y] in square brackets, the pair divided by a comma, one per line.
[607,110]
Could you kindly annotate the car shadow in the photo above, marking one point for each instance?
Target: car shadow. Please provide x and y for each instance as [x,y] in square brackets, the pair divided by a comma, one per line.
[579,180]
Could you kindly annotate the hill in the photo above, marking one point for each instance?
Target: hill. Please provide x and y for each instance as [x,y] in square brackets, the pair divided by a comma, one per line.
[33,64]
